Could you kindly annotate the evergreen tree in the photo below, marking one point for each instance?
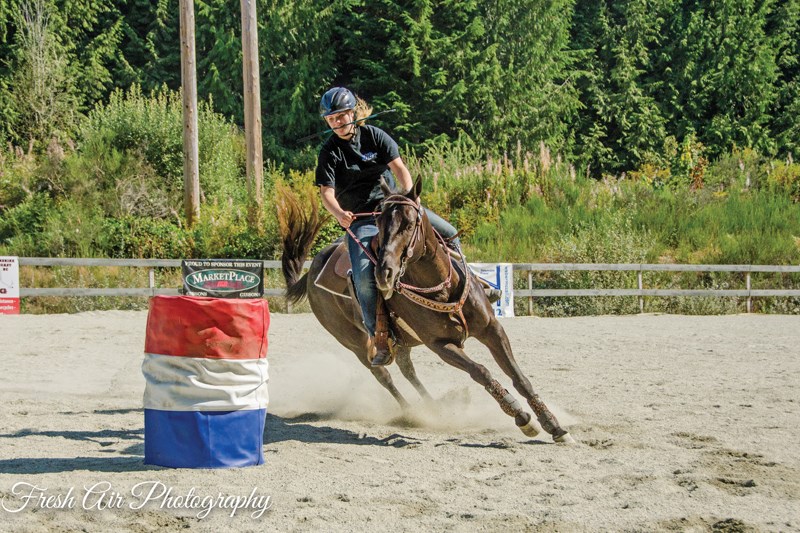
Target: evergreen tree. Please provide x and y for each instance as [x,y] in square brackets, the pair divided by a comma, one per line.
[218,34]
[497,71]
[720,73]
[6,105]
[785,32]
[528,93]
[390,53]
[623,124]
[150,44]
[298,63]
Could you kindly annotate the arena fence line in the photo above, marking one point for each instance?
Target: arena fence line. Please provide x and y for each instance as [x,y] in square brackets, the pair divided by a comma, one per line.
[530,293]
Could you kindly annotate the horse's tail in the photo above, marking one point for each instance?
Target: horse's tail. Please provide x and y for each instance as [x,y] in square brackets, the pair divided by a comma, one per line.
[299,221]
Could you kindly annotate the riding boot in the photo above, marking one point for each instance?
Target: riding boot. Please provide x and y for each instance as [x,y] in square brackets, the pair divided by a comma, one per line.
[492,294]
[384,354]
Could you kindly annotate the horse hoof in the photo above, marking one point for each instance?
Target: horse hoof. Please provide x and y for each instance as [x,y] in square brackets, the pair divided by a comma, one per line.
[532,428]
[566,438]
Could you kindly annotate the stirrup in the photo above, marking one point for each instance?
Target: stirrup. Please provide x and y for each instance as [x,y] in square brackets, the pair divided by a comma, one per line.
[384,350]
[382,358]
[454,254]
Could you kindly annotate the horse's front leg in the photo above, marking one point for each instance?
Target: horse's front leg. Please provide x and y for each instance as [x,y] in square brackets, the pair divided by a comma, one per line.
[455,356]
[359,344]
[403,359]
[495,338]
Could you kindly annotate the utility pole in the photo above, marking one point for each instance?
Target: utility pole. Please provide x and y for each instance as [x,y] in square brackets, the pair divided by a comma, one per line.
[252,107]
[191,153]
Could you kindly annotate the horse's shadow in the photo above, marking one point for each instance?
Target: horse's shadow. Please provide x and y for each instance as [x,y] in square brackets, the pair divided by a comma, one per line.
[130,458]
[280,429]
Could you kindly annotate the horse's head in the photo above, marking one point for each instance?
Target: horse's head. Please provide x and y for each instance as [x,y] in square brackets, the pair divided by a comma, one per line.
[400,235]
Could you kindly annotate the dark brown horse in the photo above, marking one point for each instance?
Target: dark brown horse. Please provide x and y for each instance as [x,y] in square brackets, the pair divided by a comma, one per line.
[431,302]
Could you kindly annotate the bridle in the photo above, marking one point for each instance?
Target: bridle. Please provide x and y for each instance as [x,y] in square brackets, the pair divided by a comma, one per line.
[415,293]
[416,236]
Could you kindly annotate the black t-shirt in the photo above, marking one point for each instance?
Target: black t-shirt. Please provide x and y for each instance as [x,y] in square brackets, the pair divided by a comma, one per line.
[354,168]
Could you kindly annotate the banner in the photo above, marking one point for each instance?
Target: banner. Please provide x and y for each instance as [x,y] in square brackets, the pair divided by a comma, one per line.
[499,276]
[9,285]
[223,278]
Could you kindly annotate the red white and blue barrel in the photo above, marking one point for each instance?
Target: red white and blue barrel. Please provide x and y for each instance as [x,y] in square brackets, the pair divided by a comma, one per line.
[206,373]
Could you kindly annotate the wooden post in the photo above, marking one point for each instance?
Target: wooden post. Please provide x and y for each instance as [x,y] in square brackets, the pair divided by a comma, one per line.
[191,165]
[641,298]
[530,288]
[252,106]
[749,298]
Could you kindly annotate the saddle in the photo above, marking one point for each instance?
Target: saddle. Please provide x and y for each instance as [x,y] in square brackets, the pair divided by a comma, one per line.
[335,274]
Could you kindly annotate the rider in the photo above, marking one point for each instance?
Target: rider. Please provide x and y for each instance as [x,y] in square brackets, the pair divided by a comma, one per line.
[349,170]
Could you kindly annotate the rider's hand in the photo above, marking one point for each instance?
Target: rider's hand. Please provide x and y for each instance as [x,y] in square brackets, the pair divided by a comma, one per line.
[346,218]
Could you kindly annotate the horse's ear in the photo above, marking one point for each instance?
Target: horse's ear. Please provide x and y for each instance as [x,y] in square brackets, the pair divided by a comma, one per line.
[387,191]
[416,190]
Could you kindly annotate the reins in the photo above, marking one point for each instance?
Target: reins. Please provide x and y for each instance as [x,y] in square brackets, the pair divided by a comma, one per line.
[358,242]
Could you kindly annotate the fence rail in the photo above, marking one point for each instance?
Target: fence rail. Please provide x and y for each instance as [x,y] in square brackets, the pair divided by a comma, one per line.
[530,293]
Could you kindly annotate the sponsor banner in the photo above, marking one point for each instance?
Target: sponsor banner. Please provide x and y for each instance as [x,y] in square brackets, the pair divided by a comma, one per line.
[499,276]
[223,278]
[9,285]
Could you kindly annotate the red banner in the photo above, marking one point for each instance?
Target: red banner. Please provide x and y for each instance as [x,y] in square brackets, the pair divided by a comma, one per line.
[9,285]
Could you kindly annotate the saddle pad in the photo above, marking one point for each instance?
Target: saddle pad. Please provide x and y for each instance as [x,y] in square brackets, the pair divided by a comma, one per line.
[333,276]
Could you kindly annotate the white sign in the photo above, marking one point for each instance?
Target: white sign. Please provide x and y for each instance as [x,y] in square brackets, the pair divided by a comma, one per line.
[498,276]
[9,285]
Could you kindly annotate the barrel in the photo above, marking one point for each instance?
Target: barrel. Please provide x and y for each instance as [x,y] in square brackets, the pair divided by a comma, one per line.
[206,372]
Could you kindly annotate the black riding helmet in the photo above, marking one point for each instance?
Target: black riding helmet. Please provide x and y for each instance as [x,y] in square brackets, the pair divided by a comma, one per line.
[336,100]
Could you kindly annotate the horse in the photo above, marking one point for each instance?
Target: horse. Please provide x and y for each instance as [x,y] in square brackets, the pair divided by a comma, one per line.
[431,300]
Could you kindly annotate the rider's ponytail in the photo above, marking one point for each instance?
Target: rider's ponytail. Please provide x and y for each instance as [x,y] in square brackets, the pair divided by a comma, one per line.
[363,110]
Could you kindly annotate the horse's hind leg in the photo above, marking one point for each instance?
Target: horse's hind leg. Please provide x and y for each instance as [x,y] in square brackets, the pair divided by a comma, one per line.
[495,338]
[403,359]
[455,356]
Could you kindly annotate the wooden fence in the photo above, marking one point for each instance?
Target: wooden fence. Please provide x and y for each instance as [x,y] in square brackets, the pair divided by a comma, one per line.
[530,293]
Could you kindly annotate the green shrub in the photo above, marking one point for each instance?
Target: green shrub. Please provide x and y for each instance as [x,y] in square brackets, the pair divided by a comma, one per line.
[138,237]
[785,178]
[21,225]
[152,127]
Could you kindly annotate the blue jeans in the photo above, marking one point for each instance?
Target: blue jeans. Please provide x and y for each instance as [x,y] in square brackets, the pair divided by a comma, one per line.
[363,269]
[442,226]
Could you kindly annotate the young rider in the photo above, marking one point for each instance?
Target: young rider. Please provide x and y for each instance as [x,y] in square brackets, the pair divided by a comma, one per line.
[349,170]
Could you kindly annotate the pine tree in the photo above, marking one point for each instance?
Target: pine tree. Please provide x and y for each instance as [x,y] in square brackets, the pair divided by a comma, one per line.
[298,64]
[496,71]
[785,32]
[623,124]
[390,53]
[529,89]
[720,80]
[150,45]
[91,31]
